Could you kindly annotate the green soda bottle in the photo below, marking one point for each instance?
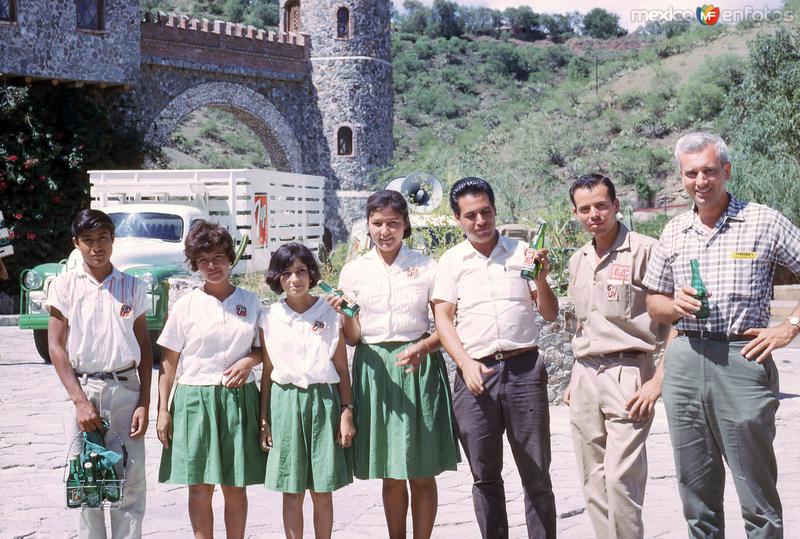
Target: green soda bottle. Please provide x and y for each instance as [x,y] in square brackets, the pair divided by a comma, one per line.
[91,492]
[349,307]
[111,485]
[700,287]
[74,497]
[530,268]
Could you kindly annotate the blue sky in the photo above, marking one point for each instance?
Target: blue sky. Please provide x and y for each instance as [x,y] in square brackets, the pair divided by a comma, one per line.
[734,8]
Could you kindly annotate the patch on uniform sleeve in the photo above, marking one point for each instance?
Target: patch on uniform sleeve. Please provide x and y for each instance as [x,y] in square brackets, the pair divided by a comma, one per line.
[241,310]
[744,255]
[318,327]
[619,274]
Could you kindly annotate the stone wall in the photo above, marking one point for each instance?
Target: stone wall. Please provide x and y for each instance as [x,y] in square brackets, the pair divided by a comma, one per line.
[44,42]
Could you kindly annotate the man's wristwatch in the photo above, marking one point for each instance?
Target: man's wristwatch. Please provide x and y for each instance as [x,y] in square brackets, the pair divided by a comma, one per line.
[348,406]
[794,321]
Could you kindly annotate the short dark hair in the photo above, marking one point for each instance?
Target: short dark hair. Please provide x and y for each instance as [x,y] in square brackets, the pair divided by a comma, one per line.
[590,181]
[91,220]
[284,257]
[392,200]
[205,237]
[471,185]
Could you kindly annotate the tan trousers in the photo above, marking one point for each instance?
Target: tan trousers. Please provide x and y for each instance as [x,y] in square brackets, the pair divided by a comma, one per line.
[116,402]
[610,448]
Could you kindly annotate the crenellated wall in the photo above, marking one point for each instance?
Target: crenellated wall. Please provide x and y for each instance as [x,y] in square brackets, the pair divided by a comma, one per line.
[220,46]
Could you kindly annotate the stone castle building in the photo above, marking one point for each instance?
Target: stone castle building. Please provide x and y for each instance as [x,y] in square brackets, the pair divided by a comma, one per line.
[318,92]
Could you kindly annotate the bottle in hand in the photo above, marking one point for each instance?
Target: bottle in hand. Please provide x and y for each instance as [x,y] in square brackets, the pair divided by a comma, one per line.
[348,307]
[700,288]
[531,268]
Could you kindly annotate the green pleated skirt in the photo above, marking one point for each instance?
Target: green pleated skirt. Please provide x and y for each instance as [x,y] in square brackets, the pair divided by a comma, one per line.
[304,453]
[214,437]
[404,421]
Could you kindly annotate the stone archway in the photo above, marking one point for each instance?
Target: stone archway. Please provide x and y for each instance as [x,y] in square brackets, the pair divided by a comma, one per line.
[250,107]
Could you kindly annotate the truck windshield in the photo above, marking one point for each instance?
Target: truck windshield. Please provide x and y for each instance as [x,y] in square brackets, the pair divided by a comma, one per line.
[159,226]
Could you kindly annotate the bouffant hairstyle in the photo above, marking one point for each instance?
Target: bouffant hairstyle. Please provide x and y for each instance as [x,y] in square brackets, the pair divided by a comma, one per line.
[88,219]
[393,200]
[284,257]
[205,237]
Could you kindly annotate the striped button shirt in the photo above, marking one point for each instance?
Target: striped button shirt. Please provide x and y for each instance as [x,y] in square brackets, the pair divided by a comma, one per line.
[737,263]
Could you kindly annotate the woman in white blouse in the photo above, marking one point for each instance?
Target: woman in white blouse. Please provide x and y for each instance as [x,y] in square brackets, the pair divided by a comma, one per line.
[210,433]
[401,392]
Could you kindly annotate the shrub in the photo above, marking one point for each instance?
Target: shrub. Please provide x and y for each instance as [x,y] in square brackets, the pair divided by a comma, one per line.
[50,138]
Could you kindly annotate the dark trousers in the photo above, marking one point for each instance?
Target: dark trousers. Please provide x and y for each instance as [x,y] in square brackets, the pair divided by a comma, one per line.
[514,400]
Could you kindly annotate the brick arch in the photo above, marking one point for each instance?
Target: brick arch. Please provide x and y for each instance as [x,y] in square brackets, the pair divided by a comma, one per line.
[250,107]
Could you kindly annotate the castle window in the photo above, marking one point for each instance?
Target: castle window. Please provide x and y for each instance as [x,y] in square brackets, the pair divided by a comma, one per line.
[89,14]
[291,13]
[344,141]
[7,10]
[343,23]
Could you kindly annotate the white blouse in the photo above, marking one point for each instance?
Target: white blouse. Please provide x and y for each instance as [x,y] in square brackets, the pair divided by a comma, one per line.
[301,345]
[211,335]
[393,299]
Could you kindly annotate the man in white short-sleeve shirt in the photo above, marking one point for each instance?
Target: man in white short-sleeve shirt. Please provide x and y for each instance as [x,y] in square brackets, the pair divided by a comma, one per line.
[99,346]
[486,319]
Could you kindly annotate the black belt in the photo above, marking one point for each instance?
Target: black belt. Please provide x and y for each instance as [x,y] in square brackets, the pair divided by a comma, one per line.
[714,336]
[508,354]
[106,375]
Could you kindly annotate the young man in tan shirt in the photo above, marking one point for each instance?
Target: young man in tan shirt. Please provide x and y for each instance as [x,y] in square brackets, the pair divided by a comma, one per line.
[614,385]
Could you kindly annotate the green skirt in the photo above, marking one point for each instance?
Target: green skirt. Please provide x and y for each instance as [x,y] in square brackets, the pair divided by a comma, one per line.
[214,437]
[404,421]
[304,452]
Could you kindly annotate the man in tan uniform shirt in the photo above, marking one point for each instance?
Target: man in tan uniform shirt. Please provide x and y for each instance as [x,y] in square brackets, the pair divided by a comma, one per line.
[614,386]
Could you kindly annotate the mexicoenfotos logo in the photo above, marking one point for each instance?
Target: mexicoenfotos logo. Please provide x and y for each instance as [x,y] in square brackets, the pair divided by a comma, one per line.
[708,15]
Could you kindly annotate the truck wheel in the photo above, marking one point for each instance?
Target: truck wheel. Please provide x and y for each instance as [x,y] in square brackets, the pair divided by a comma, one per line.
[156,349]
[40,338]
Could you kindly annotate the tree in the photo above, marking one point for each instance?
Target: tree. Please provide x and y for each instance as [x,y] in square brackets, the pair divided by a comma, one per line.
[445,20]
[416,18]
[761,118]
[558,27]
[481,21]
[523,20]
[49,138]
[601,24]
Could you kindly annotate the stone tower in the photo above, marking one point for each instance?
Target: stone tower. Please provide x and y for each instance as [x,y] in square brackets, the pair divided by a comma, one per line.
[351,75]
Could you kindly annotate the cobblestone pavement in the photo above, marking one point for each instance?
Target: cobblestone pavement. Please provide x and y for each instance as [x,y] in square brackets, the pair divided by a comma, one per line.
[32,454]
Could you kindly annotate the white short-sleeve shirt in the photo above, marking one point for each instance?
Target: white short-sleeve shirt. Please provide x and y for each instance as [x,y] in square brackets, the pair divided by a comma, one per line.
[494,308]
[211,335]
[301,345]
[393,299]
[100,318]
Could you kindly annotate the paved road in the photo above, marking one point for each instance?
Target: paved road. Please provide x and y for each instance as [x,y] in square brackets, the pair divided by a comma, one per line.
[32,453]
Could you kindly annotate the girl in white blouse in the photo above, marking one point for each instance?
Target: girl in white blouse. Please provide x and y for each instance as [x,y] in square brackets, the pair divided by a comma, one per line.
[210,434]
[400,386]
[306,401]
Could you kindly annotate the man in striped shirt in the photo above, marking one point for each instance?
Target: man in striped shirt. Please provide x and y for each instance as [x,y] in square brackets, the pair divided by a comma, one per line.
[721,386]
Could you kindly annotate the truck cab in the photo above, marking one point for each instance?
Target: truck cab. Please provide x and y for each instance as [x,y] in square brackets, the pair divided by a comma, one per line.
[153,211]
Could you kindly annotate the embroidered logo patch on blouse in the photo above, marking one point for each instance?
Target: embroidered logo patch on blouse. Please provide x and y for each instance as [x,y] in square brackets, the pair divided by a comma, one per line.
[412,272]
[317,327]
[241,310]
[125,310]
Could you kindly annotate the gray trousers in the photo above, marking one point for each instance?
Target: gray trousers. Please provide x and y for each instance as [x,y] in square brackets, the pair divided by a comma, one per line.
[722,406]
[116,402]
[515,401]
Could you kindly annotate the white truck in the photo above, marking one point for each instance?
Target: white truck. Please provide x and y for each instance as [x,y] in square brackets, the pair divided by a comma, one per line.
[153,211]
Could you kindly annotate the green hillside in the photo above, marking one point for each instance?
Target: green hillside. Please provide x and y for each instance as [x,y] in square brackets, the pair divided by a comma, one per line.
[529,107]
